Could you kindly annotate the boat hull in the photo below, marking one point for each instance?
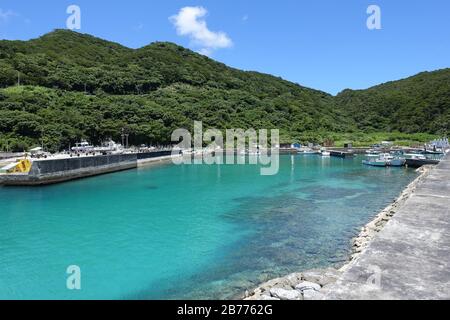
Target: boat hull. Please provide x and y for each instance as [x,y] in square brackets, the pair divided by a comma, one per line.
[417,163]
[375,163]
[397,163]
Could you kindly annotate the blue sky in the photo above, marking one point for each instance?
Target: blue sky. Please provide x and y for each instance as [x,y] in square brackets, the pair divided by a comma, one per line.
[323,44]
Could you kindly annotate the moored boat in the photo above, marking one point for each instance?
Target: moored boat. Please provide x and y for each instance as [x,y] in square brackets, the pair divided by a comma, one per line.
[373,153]
[308,151]
[397,162]
[83,146]
[419,160]
[375,163]
[393,161]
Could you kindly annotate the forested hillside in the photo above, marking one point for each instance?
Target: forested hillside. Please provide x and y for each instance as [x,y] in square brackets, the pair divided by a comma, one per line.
[417,104]
[75,86]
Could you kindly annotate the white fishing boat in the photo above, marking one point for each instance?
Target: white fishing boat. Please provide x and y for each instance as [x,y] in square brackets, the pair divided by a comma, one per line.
[308,151]
[373,153]
[187,152]
[397,162]
[386,156]
[109,147]
[391,160]
[83,146]
[375,163]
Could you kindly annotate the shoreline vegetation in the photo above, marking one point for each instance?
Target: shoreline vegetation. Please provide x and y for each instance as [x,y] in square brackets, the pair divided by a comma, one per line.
[77,87]
[315,284]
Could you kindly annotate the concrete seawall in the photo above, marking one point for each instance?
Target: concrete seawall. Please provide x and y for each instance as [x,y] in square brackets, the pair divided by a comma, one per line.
[59,170]
[410,257]
[404,253]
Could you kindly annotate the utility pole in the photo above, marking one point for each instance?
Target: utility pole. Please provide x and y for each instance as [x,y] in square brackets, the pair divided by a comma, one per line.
[125,138]
[42,139]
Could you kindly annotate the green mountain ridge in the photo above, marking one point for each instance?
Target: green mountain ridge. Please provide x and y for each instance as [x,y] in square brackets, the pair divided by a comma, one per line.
[416,104]
[78,86]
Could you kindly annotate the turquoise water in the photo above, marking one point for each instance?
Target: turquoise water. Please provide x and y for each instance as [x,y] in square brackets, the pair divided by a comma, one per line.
[192,232]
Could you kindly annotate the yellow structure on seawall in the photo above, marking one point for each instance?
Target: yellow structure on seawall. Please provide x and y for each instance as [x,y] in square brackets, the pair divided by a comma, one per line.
[22,166]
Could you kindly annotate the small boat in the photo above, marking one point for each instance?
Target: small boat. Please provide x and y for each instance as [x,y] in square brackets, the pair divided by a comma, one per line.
[373,153]
[392,161]
[386,156]
[375,163]
[83,146]
[436,153]
[326,154]
[187,152]
[419,160]
[109,147]
[397,162]
[308,151]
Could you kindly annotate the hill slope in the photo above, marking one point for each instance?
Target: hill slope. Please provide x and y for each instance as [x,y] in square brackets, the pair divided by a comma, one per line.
[77,86]
[417,104]
[151,91]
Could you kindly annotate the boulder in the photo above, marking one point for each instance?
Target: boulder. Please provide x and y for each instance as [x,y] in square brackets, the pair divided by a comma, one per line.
[278,283]
[307,285]
[313,295]
[325,280]
[313,275]
[322,276]
[284,294]
[294,278]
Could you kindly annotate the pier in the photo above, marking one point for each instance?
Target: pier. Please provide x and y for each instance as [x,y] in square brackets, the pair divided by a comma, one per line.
[410,258]
[51,171]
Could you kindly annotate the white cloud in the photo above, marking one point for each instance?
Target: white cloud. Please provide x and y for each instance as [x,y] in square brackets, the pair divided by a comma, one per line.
[190,22]
[5,15]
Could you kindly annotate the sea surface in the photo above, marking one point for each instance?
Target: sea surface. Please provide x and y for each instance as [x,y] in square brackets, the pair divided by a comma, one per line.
[189,231]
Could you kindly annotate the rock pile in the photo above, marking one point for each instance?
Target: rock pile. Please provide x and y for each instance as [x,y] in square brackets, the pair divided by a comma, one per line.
[309,285]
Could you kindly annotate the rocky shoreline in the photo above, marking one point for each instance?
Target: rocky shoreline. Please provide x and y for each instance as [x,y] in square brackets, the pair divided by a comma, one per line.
[314,284]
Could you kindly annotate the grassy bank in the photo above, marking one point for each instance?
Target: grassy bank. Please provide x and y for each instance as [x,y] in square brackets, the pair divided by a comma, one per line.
[368,139]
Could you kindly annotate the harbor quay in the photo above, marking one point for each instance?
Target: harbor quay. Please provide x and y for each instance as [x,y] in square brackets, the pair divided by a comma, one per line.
[410,257]
[402,254]
[50,171]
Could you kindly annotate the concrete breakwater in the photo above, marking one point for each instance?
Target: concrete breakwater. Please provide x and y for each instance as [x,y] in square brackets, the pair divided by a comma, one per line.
[403,253]
[410,257]
[52,171]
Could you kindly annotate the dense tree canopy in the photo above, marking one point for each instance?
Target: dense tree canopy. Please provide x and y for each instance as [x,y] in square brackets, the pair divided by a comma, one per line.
[75,86]
[417,104]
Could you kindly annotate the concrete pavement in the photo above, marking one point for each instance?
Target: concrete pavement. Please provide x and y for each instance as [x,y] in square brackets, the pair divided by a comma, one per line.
[410,257]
